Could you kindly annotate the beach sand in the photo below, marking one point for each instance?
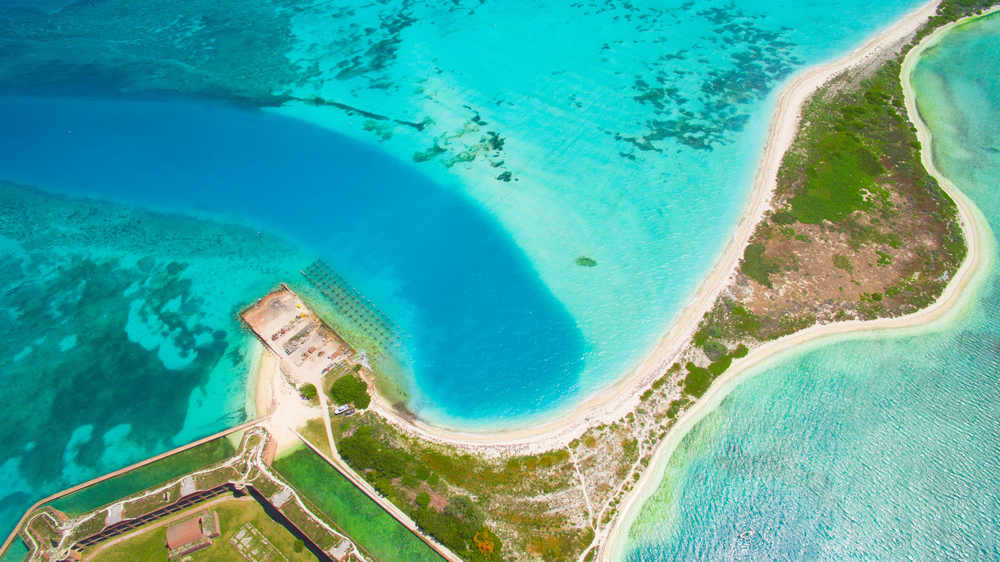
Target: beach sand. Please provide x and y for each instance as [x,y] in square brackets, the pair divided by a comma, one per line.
[279,400]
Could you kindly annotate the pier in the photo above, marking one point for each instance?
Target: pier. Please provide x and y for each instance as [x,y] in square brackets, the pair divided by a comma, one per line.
[352,304]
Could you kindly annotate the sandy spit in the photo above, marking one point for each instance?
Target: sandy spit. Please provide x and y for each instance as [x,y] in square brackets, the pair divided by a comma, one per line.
[954,301]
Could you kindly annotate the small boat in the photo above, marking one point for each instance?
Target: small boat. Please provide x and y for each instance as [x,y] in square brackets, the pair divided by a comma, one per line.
[341,410]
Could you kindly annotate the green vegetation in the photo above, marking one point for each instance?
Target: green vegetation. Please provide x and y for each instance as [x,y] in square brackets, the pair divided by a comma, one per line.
[783,217]
[947,12]
[715,349]
[585,261]
[757,266]
[403,468]
[308,391]
[697,380]
[835,184]
[460,527]
[456,526]
[350,390]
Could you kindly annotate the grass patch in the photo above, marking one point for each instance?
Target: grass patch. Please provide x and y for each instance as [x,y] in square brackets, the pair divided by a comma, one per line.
[135,481]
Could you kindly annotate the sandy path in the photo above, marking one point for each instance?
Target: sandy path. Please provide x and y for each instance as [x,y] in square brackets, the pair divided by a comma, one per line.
[953,302]
[287,410]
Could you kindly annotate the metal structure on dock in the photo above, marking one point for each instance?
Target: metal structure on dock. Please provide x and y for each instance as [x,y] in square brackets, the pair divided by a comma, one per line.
[351,303]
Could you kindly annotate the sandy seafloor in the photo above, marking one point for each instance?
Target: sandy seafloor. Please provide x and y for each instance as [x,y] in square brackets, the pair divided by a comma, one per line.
[120,315]
[870,447]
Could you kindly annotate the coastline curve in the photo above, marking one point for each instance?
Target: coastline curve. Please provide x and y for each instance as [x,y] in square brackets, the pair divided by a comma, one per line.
[617,400]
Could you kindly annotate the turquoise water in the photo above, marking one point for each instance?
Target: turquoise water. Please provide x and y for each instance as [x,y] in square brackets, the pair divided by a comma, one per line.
[119,345]
[361,518]
[17,552]
[871,447]
[629,133]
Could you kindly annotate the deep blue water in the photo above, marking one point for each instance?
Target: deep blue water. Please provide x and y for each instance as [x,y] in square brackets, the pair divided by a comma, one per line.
[483,323]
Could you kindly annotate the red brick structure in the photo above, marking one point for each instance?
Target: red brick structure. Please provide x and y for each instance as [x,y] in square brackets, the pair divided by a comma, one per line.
[192,535]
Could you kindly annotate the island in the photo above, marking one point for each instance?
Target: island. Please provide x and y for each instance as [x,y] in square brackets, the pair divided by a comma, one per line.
[850,227]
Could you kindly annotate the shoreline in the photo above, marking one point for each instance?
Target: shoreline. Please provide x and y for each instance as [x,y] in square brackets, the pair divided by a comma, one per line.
[952,303]
[622,397]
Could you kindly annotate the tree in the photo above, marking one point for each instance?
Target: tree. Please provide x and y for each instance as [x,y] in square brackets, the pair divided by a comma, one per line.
[350,389]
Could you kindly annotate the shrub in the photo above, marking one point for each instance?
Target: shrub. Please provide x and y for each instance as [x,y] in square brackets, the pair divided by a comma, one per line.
[298,546]
[715,350]
[423,473]
[832,189]
[740,351]
[783,217]
[720,366]
[308,391]
[757,266]
[841,262]
[697,380]
[423,500]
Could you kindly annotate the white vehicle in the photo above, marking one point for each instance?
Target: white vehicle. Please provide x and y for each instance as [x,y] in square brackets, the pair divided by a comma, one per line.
[341,410]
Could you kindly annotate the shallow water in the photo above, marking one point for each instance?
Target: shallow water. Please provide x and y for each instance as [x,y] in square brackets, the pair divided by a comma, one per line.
[872,447]
[17,552]
[119,344]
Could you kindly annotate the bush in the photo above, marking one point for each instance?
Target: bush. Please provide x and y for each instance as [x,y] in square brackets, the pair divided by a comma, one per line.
[423,500]
[423,473]
[697,380]
[364,452]
[841,262]
[720,366]
[715,350]
[460,528]
[833,187]
[298,546]
[783,218]
[740,351]
[350,389]
[757,266]
[308,391]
